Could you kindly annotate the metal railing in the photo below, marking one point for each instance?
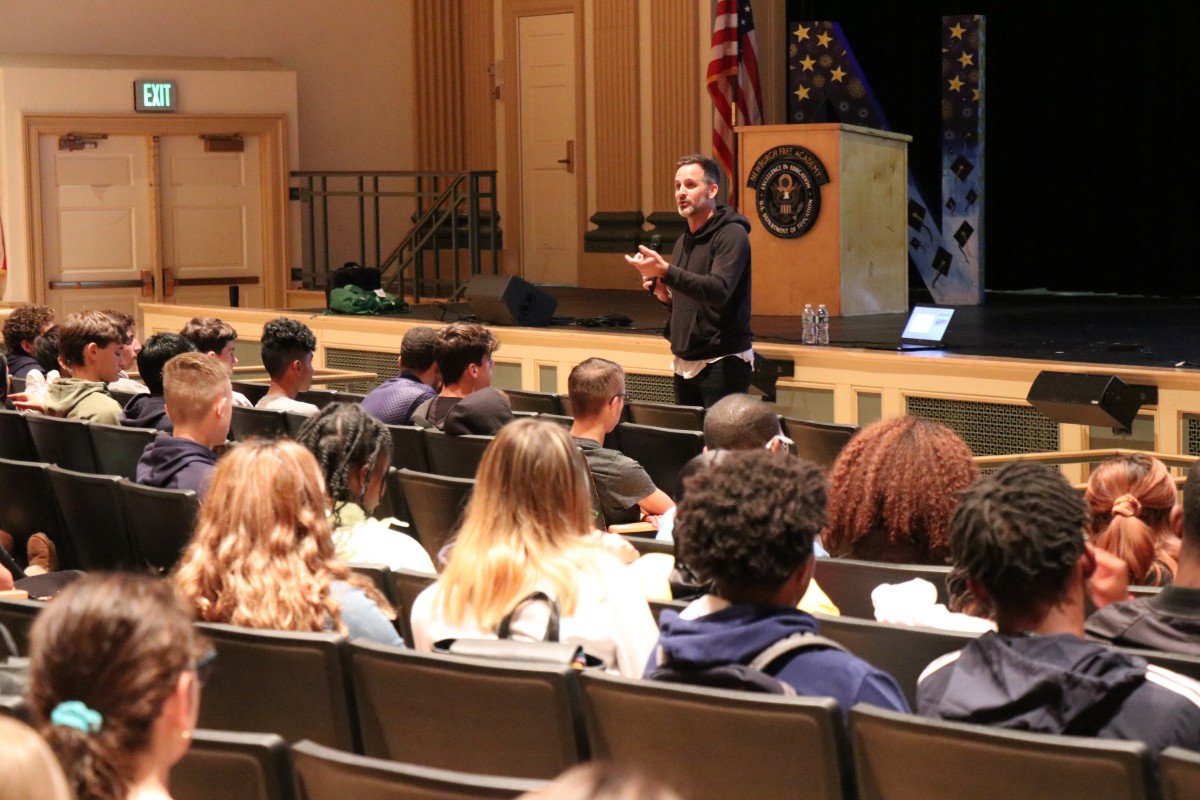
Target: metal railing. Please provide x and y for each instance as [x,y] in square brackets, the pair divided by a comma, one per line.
[446,224]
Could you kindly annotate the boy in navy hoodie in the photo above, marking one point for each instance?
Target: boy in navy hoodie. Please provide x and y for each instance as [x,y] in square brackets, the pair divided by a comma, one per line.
[199,401]
[747,524]
[150,410]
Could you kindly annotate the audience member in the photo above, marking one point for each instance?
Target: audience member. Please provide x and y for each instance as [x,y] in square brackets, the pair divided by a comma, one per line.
[746,526]
[463,353]
[354,450]
[114,684]
[197,400]
[128,355]
[1019,535]
[394,401]
[21,330]
[1131,500]
[892,490]
[528,528]
[624,492]
[287,355]
[263,557]
[1169,620]
[30,770]
[149,410]
[48,369]
[217,339]
[90,343]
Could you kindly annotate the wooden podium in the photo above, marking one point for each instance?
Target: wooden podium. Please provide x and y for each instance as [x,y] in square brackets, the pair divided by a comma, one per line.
[854,257]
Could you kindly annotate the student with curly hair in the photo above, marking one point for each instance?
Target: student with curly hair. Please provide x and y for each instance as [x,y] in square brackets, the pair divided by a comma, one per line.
[1019,536]
[21,330]
[1130,503]
[528,528]
[892,490]
[354,450]
[115,673]
[263,556]
[746,526]
[287,355]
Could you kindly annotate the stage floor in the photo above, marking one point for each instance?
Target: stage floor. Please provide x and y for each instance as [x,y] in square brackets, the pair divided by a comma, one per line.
[1098,329]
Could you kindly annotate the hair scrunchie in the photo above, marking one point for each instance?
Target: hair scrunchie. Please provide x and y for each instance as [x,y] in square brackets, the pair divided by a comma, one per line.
[75,714]
[1127,506]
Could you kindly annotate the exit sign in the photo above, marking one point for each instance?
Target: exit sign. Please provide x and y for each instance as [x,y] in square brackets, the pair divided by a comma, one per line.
[155,96]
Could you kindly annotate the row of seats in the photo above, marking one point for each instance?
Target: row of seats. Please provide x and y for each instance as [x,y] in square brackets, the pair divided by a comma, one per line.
[488,718]
[97,522]
[77,445]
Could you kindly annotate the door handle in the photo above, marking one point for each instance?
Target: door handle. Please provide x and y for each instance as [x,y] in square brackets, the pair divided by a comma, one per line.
[570,159]
[168,283]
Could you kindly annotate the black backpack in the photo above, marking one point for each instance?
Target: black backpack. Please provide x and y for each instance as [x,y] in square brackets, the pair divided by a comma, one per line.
[753,677]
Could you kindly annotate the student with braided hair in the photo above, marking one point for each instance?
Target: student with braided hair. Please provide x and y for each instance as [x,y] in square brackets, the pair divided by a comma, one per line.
[892,490]
[1019,536]
[354,451]
[115,673]
[1131,501]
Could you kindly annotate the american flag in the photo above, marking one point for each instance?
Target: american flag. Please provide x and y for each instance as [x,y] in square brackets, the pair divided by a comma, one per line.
[733,81]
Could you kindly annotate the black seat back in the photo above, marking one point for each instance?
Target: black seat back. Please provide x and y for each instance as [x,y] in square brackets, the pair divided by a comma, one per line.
[160,522]
[118,449]
[64,442]
[94,520]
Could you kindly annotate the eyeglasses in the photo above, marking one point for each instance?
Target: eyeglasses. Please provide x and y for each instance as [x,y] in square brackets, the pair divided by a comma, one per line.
[785,444]
[623,395]
[205,665]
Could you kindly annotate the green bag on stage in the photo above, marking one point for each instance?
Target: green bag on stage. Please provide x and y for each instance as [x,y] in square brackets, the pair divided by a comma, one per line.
[353,299]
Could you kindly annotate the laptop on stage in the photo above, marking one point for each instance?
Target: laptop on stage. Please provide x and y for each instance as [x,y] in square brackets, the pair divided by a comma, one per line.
[924,331]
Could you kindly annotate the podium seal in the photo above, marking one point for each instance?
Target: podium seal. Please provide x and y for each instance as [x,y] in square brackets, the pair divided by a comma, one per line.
[787,184]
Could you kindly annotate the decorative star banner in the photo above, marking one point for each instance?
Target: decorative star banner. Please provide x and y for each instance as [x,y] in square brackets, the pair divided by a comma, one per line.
[826,84]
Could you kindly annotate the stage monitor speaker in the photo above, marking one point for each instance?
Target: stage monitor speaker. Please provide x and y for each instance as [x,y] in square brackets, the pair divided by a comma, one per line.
[1083,399]
[509,300]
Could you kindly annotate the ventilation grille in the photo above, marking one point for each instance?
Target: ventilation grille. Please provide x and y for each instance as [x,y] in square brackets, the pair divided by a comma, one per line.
[991,429]
[1191,435]
[383,364]
[652,388]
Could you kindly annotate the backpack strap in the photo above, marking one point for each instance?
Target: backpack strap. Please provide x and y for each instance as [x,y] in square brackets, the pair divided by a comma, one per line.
[793,643]
[420,415]
[504,629]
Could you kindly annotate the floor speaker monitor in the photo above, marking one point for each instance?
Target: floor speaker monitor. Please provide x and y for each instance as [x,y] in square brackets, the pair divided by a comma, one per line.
[509,300]
[1084,399]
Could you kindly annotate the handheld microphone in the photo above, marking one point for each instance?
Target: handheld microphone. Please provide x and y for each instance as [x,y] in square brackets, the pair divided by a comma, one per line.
[656,246]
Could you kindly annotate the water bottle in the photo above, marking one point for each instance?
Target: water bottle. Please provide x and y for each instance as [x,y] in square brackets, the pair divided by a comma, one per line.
[822,324]
[808,331]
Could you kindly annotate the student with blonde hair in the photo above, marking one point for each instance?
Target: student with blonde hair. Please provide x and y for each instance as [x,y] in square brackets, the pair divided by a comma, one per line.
[1130,501]
[528,528]
[115,673]
[199,402]
[263,557]
[30,769]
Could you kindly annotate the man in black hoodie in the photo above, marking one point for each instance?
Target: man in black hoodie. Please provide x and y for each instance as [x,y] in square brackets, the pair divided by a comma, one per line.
[150,410]
[1018,534]
[707,289]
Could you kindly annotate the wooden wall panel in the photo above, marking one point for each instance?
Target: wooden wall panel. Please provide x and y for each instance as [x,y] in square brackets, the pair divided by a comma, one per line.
[617,123]
[675,82]
[479,107]
[439,84]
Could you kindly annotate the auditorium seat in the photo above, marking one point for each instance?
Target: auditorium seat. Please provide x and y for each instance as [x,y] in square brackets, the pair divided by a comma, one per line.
[260,422]
[18,616]
[292,684]
[318,397]
[228,764]
[468,714]
[406,585]
[537,402]
[323,773]
[160,522]
[1179,772]
[849,582]
[662,452]
[906,757]
[408,448]
[15,442]
[94,520]
[435,503]
[28,505]
[818,442]
[666,415]
[64,442]
[718,743]
[118,449]
[252,391]
[456,456]
[902,651]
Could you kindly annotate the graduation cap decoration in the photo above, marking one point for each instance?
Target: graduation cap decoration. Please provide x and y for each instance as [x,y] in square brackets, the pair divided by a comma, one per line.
[941,263]
[961,167]
[963,234]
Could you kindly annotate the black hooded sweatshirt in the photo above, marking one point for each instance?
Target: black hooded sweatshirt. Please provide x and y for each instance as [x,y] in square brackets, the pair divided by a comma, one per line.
[709,279]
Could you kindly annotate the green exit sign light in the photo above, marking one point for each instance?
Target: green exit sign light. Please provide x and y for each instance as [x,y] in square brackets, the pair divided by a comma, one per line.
[155,96]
